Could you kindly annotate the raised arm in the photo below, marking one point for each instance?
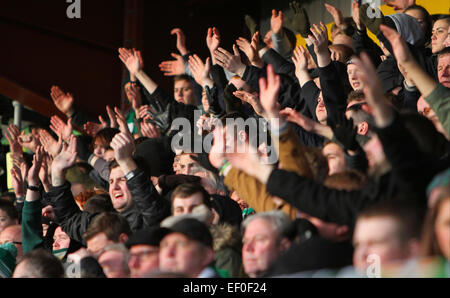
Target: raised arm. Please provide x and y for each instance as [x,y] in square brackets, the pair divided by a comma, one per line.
[421,79]
[31,212]
[181,40]
[134,63]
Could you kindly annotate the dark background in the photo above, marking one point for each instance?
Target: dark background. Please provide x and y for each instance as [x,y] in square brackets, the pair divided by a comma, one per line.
[41,46]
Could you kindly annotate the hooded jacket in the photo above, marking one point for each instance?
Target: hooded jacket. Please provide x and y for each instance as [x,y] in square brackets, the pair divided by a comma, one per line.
[227,249]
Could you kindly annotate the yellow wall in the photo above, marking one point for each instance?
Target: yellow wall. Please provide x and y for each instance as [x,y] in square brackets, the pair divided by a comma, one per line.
[433,7]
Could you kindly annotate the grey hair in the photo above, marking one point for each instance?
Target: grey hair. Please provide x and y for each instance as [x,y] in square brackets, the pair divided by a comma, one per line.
[277,218]
[120,247]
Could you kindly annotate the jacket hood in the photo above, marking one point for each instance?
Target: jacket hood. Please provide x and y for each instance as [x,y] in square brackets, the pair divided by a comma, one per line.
[225,235]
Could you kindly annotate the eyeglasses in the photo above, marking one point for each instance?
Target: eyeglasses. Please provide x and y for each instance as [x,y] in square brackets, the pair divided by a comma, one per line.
[144,253]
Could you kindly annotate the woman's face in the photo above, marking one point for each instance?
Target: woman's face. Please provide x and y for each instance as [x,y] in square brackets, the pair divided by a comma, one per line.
[439,35]
[442,228]
[100,148]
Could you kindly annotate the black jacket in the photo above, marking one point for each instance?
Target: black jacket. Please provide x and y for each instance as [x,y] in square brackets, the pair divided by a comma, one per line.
[412,170]
[148,209]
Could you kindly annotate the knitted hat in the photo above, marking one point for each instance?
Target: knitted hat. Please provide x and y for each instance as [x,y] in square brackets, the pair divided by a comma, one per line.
[228,210]
[8,253]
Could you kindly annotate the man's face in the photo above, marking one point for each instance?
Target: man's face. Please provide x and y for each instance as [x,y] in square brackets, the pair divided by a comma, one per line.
[186,165]
[352,78]
[444,70]
[5,220]
[184,92]
[399,5]
[97,243]
[186,205]
[118,190]
[336,158]
[321,111]
[181,254]
[439,35]
[13,234]
[60,239]
[144,259]
[112,262]
[260,247]
[377,236]
[99,148]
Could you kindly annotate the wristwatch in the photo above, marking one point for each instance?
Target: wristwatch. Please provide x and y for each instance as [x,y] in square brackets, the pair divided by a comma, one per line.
[130,175]
[33,188]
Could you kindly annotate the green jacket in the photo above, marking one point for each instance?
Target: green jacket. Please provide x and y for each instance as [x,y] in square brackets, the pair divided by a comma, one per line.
[439,101]
[31,226]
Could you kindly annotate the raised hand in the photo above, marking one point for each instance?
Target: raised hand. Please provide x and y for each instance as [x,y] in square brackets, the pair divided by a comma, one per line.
[200,70]
[66,158]
[44,173]
[268,93]
[173,67]
[300,60]
[230,62]
[33,172]
[21,164]
[355,15]
[134,96]
[319,38]
[123,146]
[251,49]
[276,21]
[213,41]
[13,138]
[217,151]
[112,118]
[144,112]
[132,59]
[382,111]
[337,15]
[63,101]
[401,51]
[246,159]
[150,130]
[93,128]
[181,40]
[252,99]
[300,21]
[123,126]
[60,128]
[17,182]
[51,146]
